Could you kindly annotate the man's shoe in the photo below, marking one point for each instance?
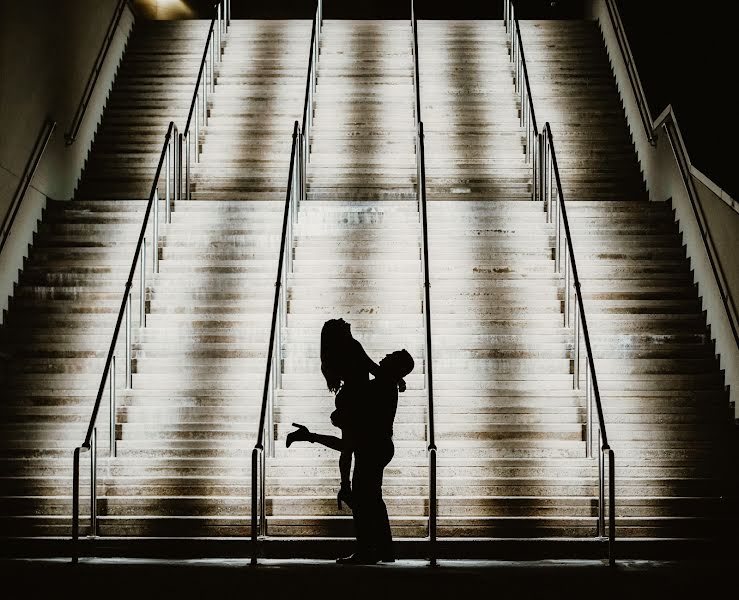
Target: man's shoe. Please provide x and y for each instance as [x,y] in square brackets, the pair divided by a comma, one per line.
[358,559]
[387,559]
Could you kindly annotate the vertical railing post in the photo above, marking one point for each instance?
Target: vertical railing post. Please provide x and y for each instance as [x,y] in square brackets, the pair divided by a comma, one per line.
[75,504]
[155,236]
[187,166]
[179,167]
[204,120]
[142,285]
[217,28]
[541,171]
[214,46]
[611,507]
[263,495]
[167,175]
[557,239]
[112,408]
[588,413]
[255,495]
[576,349]
[432,507]
[601,490]
[534,167]
[568,285]
[196,149]
[129,353]
[93,484]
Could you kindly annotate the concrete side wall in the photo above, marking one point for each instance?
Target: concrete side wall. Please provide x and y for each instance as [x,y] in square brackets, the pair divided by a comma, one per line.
[723,223]
[664,181]
[47,51]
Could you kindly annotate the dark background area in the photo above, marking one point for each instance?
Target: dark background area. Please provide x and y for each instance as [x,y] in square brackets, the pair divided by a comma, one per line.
[686,55]
[688,58]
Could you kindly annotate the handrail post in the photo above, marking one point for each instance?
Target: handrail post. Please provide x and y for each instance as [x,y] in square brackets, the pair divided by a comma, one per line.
[611,506]
[557,236]
[179,167]
[196,150]
[112,409]
[254,509]
[167,176]
[534,141]
[576,349]
[432,507]
[542,170]
[188,194]
[213,48]
[129,353]
[588,413]
[548,180]
[142,286]
[155,233]
[568,288]
[269,445]
[263,496]
[93,484]
[75,503]
[219,30]
[601,490]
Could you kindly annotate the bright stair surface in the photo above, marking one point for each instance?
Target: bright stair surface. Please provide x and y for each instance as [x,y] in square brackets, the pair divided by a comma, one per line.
[510,429]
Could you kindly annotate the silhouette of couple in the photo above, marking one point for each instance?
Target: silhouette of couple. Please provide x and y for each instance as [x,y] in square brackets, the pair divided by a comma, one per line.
[365,411]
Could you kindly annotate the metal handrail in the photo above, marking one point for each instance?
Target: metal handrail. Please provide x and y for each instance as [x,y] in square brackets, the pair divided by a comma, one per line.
[139,260]
[296,191]
[523,88]
[199,104]
[79,115]
[422,209]
[25,181]
[540,147]
[641,98]
[558,211]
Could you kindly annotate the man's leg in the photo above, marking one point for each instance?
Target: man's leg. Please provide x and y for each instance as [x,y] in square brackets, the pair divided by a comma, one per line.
[383,537]
[360,506]
[377,537]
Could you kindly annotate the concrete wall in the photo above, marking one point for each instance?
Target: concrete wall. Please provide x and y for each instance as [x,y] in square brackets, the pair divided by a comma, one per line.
[723,223]
[664,182]
[47,51]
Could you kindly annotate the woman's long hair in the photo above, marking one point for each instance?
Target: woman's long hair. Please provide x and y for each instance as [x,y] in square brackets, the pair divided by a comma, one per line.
[334,337]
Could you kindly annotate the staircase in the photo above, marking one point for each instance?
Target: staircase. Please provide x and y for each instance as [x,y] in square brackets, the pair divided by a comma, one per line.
[357,257]
[61,317]
[510,428]
[663,393]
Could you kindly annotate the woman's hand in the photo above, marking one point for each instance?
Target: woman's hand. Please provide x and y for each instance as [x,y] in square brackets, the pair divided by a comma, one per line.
[401,386]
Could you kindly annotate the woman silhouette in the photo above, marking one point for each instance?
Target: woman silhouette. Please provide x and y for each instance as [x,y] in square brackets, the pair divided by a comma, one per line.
[346,367]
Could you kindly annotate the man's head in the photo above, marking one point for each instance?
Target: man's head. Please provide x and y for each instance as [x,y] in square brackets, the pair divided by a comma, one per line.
[397,365]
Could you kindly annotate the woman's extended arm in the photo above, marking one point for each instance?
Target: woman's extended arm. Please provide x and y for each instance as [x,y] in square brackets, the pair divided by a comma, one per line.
[373,367]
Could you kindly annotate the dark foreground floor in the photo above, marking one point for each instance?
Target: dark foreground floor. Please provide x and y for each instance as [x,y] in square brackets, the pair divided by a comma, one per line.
[133,579]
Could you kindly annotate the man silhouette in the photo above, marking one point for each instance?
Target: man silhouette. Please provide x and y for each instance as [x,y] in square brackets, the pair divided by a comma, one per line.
[372,432]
